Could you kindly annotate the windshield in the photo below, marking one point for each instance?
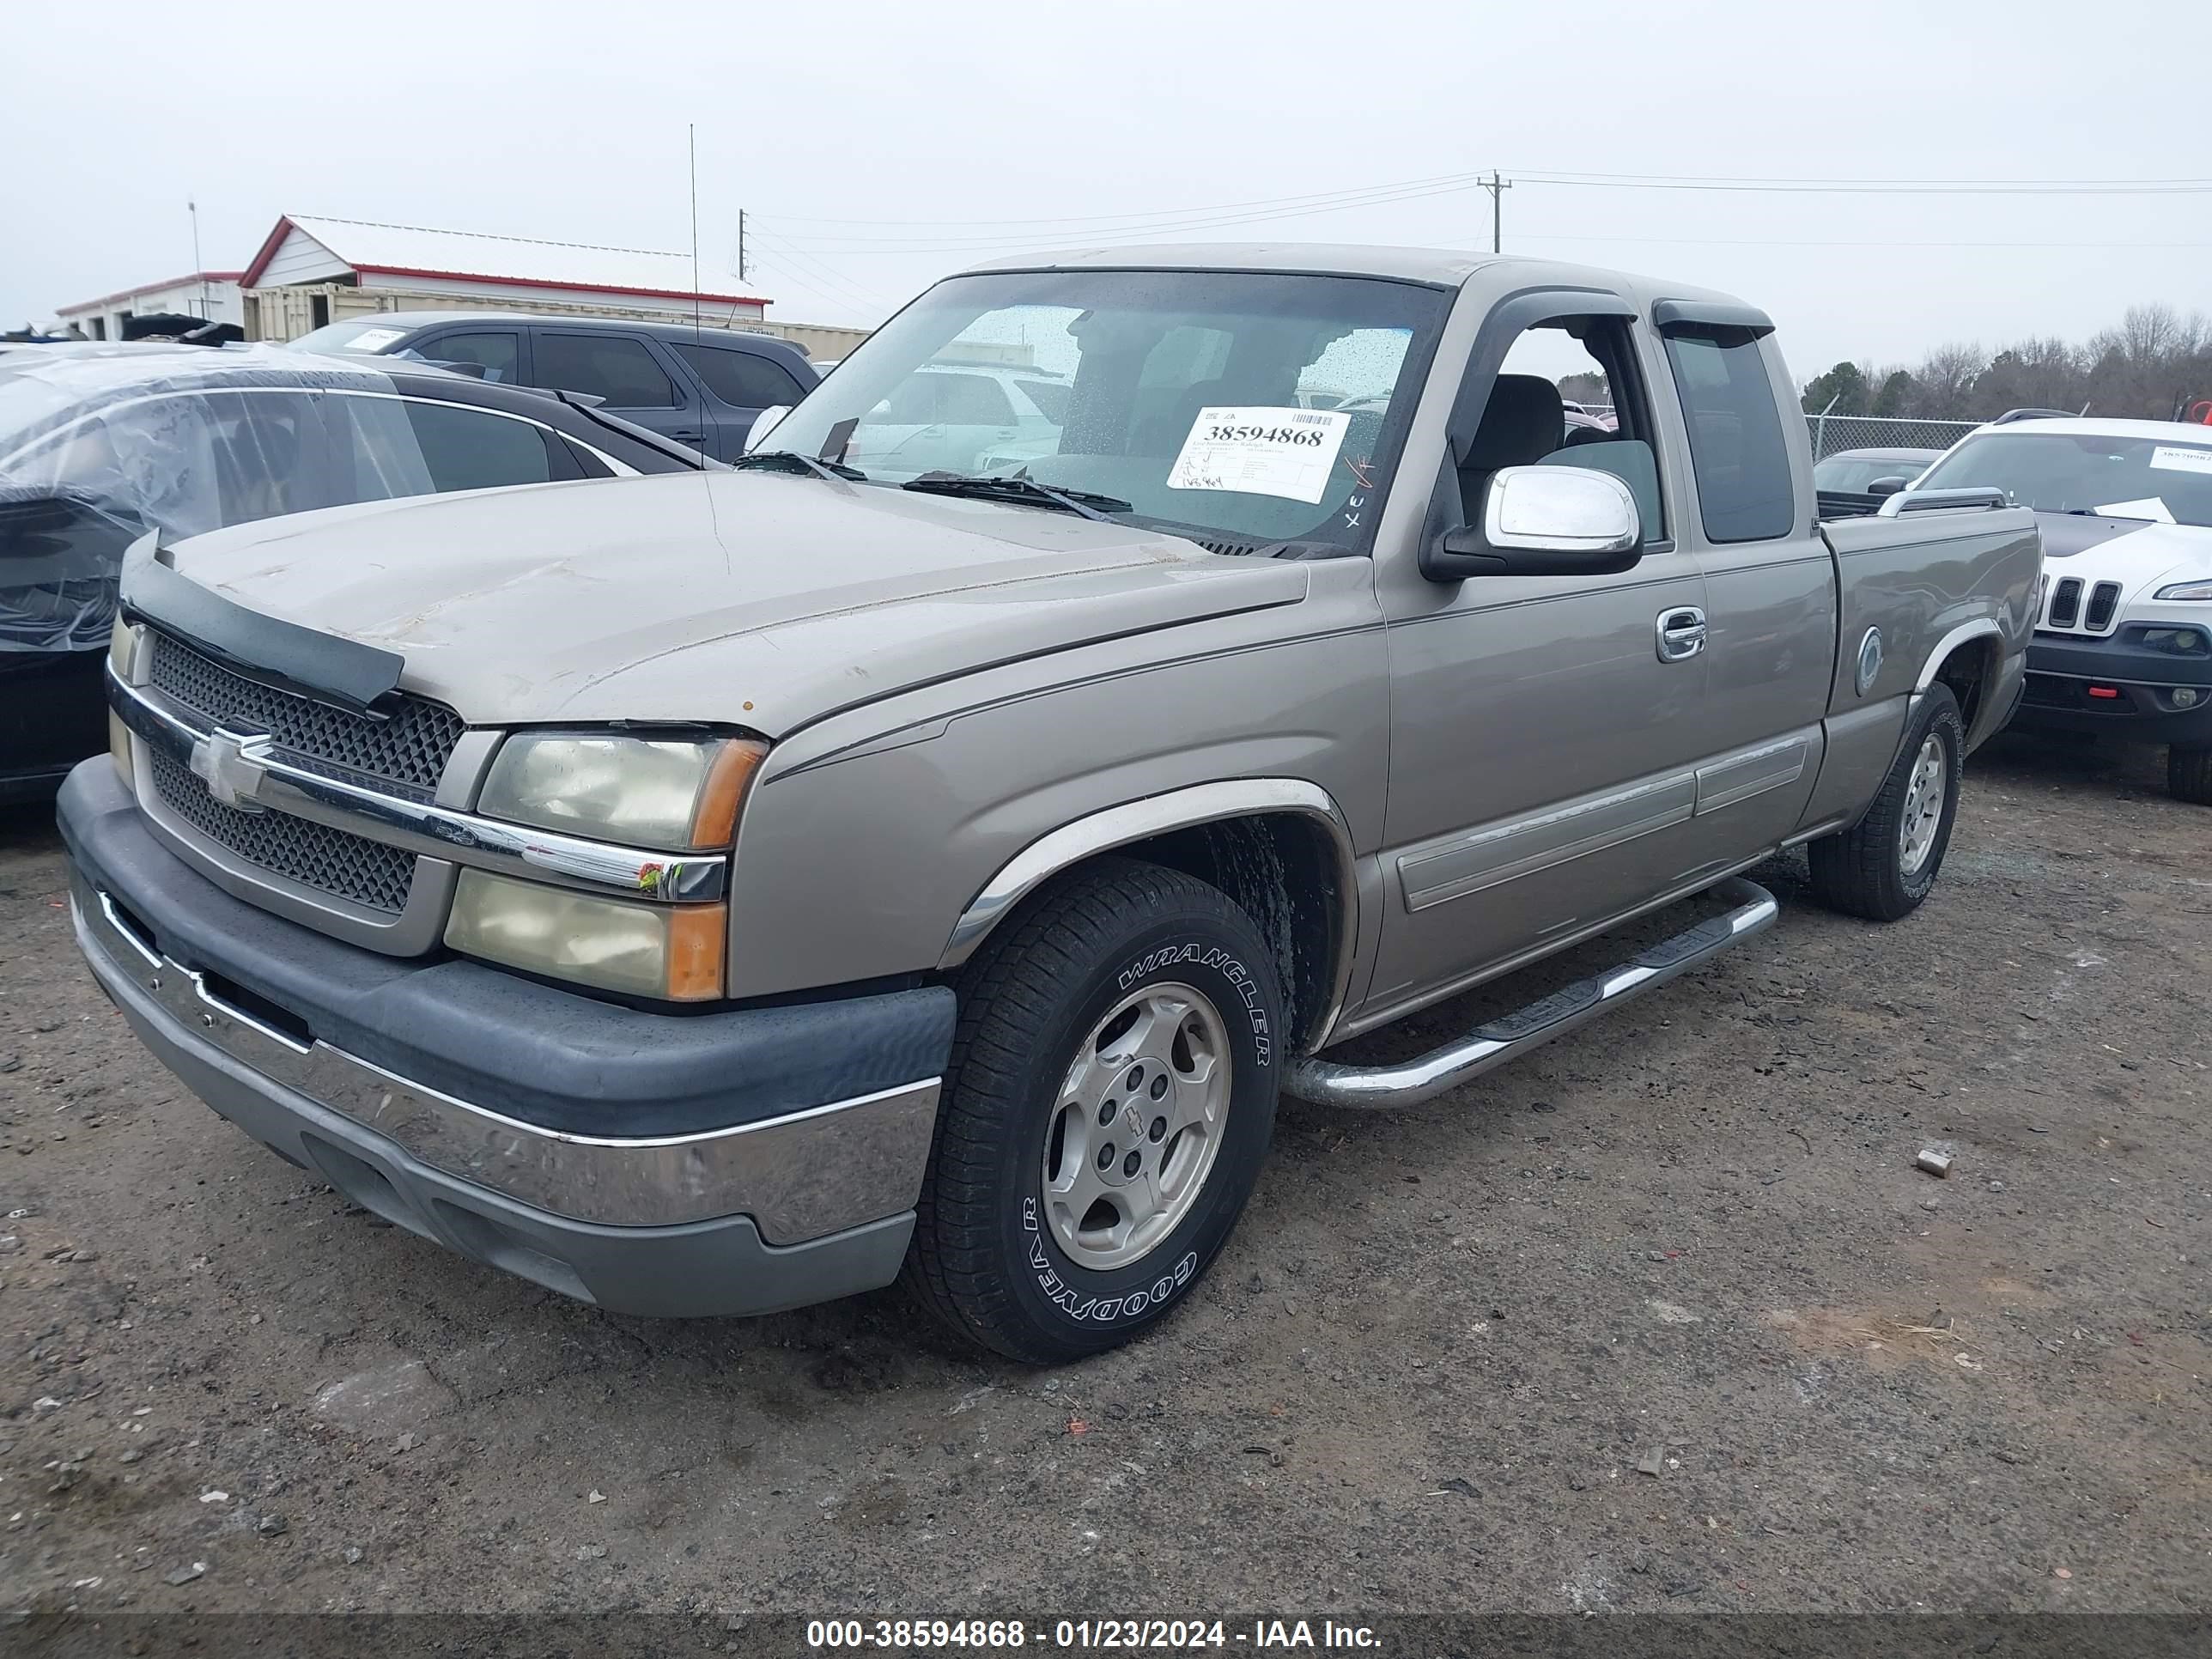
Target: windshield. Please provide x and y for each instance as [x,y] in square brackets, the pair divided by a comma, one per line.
[369,334]
[2156,478]
[1185,394]
[1852,474]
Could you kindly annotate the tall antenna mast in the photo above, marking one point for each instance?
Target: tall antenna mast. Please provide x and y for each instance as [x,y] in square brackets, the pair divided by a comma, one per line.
[691,130]
[199,270]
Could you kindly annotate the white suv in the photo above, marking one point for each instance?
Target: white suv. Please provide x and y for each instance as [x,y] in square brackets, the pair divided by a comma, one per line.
[2123,643]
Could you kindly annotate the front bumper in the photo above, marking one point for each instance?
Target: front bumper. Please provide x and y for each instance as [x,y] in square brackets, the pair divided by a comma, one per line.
[780,1202]
[2061,672]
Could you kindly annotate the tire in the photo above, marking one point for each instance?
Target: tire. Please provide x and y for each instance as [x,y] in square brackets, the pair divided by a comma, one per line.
[2189,775]
[1866,869]
[995,1256]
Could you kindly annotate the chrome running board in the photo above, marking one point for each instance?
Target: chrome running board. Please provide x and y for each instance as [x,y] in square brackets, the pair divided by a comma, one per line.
[1411,1081]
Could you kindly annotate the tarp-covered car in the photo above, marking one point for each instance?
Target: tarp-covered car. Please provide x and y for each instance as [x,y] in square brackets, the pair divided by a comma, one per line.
[97,448]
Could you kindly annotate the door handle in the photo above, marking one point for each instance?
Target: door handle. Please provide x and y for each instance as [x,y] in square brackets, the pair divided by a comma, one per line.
[1681,632]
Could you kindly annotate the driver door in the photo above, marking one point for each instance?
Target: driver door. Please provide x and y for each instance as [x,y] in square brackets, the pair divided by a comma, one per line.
[1545,729]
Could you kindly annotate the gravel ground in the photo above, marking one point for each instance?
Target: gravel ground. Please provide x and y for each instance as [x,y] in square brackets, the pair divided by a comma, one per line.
[1435,1370]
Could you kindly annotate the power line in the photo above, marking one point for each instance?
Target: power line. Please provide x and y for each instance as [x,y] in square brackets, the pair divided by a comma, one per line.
[810,273]
[1621,180]
[797,263]
[1105,218]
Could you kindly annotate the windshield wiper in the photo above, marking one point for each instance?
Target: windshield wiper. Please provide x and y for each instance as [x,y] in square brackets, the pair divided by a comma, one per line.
[790,460]
[1029,492]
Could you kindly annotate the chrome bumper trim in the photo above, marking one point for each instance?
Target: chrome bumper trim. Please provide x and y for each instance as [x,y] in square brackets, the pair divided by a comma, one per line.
[264,778]
[1422,1079]
[799,1176]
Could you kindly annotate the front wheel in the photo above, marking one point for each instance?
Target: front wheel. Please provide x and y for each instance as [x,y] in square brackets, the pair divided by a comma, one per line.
[1883,865]
[2189,775]
[1109,1103]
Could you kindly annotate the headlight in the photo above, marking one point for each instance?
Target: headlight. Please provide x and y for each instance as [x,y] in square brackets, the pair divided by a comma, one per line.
[2185,591]
[664,950]
[672,795]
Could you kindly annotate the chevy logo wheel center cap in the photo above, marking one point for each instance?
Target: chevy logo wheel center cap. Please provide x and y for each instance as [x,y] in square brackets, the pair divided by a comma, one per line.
[231,767]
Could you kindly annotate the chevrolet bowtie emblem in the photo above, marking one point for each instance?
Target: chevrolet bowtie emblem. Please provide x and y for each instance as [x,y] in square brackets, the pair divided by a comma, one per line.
[231,767]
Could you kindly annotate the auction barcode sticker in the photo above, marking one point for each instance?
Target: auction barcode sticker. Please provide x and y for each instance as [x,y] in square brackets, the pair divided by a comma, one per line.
[1261,452]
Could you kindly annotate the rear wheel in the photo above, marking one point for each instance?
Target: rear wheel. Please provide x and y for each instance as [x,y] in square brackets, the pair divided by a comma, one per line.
[1111,1096]
[2189,775]
[1882,866]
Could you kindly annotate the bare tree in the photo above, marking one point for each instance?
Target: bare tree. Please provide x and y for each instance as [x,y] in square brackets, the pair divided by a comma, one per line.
[1946,379]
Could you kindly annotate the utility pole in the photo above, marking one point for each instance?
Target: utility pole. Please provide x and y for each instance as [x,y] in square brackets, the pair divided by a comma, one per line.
[742,277]
[1497,187]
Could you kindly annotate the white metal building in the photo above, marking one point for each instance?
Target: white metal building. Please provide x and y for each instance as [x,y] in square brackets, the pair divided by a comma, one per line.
[317,256]
[210,293]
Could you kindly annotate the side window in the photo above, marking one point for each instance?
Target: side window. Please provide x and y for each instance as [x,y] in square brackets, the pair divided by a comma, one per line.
[402,446]
[271,454]
[973,400]
[497,352]
[744,378]
[587,464]
[476,449]
[1737,449]
[609,366]
[1526,421]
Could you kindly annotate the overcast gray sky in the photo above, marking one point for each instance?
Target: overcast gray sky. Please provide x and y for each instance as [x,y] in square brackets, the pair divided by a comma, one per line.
[879,146]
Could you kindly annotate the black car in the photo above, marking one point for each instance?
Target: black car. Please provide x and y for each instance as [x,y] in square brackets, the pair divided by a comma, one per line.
[96,449]
[703,387]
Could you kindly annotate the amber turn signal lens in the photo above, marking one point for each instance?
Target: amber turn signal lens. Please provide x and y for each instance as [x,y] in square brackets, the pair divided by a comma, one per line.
[714,820]
[695,937]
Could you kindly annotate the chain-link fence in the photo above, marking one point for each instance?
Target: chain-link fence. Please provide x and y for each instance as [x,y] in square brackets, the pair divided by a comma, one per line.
[1833,434]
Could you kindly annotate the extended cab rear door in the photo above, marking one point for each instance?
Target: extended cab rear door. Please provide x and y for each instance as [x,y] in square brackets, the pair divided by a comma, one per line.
[1770,579]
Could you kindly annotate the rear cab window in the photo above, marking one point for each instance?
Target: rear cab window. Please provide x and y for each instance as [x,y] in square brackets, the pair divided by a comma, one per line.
[1739,456]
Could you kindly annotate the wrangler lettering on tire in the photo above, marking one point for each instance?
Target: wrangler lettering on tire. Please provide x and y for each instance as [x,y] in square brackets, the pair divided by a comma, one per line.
[1109,1102]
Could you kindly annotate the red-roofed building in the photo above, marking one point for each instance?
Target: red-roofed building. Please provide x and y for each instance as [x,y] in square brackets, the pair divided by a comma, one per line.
[313,270]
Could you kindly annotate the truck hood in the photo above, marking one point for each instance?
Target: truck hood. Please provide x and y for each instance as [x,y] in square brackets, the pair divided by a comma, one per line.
[760,599]
[2141,555]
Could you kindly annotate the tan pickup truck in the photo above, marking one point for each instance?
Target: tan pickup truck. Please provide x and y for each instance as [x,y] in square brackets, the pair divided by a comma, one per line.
[931,847]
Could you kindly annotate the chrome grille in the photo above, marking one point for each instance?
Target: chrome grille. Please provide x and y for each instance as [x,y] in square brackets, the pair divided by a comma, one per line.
[410,746]
[367,872]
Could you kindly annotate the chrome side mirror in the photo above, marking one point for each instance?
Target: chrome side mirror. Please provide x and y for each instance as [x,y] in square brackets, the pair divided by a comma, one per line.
[1544,521]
